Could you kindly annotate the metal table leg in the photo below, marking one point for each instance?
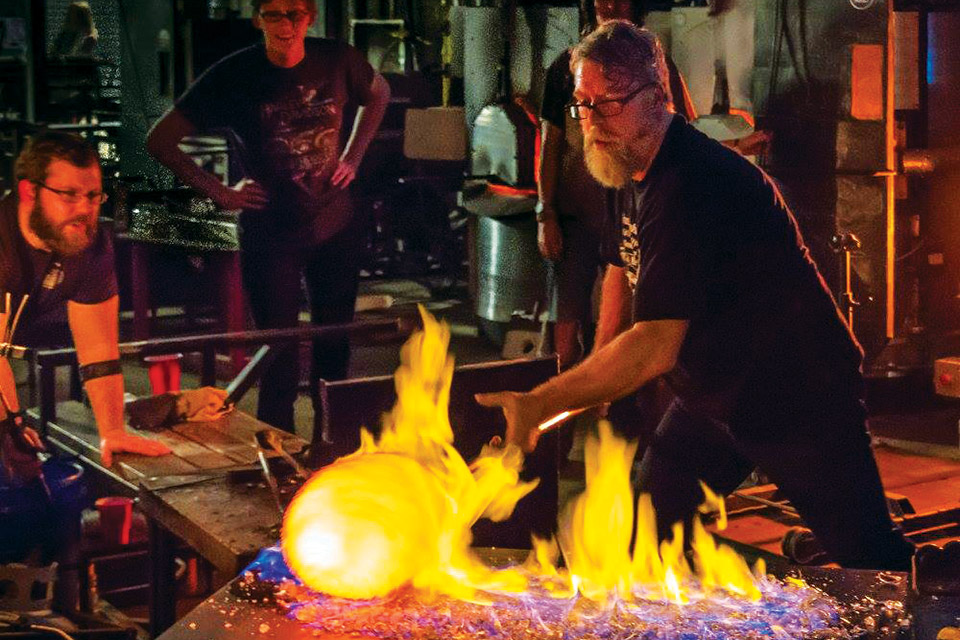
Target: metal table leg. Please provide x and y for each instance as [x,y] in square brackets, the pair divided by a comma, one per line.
[163,587]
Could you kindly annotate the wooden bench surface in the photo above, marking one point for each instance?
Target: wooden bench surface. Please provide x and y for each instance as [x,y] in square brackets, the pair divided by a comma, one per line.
[226,520]
[196,446]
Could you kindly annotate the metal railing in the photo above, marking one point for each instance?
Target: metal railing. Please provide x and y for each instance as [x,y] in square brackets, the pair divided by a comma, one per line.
[47,361]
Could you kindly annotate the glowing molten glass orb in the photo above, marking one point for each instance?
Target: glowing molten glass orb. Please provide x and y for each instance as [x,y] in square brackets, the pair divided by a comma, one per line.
[365,525]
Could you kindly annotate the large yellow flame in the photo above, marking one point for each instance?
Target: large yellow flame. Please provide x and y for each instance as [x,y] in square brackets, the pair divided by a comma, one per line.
[399,510]
[596,529]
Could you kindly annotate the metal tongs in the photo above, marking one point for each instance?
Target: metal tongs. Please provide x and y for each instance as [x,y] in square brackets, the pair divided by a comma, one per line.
[6,336]
[268,475]
[270,439]
[7,347]
[263,440]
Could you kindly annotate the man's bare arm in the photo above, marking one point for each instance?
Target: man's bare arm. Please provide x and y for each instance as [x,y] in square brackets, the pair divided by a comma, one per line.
[615,303]
[163,143]
[641,353]
[8,387]
[549,239]
[7,383]
[365,126]
[95,335]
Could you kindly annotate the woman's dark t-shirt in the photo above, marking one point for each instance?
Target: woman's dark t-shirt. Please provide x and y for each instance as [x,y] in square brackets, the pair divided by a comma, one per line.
[289,123]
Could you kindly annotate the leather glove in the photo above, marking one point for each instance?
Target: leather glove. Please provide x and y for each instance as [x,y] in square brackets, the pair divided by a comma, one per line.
[202,405]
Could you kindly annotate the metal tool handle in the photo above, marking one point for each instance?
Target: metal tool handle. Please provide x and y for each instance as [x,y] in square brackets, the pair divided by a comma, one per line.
[249,375]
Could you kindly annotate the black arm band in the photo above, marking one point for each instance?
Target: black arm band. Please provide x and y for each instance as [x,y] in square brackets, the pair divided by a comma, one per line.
[96,370]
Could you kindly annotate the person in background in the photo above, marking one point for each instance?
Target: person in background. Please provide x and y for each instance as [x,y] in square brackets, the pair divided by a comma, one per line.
[285,100]
[727,307]
[53,250]
[78,36]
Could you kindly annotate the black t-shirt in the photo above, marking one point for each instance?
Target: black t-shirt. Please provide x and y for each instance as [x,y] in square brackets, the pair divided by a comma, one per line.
[288,122]
[706,237]
[576,194]
[50,280]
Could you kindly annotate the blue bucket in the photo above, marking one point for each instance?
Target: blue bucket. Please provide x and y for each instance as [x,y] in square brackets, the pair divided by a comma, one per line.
[30,518]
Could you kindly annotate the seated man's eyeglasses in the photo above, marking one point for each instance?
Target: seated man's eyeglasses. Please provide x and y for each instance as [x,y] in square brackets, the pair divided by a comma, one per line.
[294,16]
[72,197]
[605,108]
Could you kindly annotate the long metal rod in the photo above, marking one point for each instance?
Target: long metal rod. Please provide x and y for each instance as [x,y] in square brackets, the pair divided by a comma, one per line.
[250,375]
[47,361]
[552,423]
[786,508]
[57,357]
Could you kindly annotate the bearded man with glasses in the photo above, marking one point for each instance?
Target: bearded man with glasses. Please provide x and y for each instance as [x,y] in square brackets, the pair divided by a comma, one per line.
[284,100]
[53,250]
[570,215]
[727,307]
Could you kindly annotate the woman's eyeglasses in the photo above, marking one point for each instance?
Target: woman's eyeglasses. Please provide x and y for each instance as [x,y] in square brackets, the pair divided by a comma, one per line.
[294,16]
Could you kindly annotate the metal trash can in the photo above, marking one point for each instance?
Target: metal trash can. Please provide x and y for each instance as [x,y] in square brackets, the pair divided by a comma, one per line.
[511,275]
[507,271]
[506,266]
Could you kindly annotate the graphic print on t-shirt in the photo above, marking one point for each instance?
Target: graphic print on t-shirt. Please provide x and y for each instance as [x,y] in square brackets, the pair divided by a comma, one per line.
[304,141]
[53,277]
[630,249]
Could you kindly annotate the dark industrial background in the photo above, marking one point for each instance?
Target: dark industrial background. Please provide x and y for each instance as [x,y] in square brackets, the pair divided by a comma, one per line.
[887,174]
[860,97]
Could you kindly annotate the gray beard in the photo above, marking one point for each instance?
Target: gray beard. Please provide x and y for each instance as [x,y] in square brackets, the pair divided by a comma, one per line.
[54,238]
[612,170]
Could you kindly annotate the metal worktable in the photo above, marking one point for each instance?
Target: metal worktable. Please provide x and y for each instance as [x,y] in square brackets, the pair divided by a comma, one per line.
[224,615]
[187,495]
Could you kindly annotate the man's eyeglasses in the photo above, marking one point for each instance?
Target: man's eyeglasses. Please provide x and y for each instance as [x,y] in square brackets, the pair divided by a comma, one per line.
[605,108]
[72,197]
[295,16]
